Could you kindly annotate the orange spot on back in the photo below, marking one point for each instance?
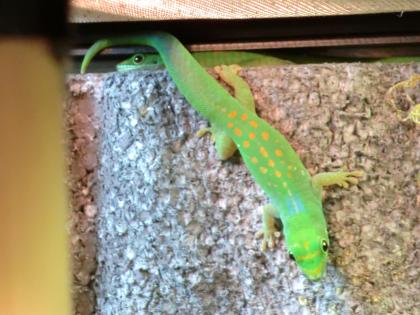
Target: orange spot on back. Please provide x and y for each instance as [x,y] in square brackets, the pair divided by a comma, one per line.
[263,169]
[230,124]
[271,163]
[253,124]
[278,153]
[244,116]
[252,135]
[246,144]
[254,160]
[232,114]
[278,173]
[265,135]
[238,132]
[263,151]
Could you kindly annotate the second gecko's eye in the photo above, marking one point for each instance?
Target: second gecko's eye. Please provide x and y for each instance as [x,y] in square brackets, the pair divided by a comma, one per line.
[138,58]
[291,256]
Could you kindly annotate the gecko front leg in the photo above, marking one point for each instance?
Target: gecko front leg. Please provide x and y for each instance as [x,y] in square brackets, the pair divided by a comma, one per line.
[340,178]
[269,231]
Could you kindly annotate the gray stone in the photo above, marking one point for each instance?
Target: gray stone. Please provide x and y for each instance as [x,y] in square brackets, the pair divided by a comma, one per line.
[175,226]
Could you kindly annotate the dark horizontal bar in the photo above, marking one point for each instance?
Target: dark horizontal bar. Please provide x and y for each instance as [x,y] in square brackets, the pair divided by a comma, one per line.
[221,31]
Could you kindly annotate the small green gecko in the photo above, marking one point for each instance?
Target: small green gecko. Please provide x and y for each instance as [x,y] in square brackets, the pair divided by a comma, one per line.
[225,147]
[414,111]
[296,197]
[207,59]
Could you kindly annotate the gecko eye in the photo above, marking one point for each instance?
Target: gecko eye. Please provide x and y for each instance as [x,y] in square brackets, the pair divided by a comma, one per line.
[138,58]
[291,256]
[324,246]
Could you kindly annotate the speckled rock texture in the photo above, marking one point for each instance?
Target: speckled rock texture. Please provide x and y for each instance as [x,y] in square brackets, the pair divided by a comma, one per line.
[82,123]
[174,227]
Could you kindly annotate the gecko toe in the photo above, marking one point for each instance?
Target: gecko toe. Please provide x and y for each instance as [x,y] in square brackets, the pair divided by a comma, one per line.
[358,173]
[352,180]
[263,246]
[259,234]
[217,69]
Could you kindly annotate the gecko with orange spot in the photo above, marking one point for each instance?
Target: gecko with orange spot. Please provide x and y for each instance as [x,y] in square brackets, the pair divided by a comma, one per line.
[295,200]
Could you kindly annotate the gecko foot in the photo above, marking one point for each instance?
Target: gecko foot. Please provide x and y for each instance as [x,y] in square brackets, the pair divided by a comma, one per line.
[343,179]
[200,133]
[269,238]
[269,231]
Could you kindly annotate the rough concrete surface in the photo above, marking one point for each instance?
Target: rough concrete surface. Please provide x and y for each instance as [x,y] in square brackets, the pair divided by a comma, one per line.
[160,226]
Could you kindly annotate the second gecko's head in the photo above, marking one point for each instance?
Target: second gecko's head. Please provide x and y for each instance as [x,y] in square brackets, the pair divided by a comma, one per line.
[308,247]
[148,61]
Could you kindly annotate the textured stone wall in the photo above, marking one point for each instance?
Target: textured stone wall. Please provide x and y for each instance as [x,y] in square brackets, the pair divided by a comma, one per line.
[172,228]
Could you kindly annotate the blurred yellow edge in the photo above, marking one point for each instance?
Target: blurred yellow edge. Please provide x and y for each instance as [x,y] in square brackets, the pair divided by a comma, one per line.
[34,262]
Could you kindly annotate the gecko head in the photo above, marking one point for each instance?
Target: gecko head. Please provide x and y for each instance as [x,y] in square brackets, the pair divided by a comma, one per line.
[309,249]
[140,61]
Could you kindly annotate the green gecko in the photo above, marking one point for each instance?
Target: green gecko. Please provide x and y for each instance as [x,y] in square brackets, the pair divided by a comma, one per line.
[414,111]
[225,147]
[296,197]
[207,59]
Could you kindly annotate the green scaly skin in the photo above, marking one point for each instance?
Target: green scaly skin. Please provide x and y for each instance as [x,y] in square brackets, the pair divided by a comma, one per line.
[225,147]
[295,196]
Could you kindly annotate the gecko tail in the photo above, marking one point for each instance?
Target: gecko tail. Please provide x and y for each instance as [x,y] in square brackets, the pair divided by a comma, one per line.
[153,39]
[93,51]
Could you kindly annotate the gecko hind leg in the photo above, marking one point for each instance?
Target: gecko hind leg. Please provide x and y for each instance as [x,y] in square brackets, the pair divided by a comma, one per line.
[241,90]
[269,231]
[225,147]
